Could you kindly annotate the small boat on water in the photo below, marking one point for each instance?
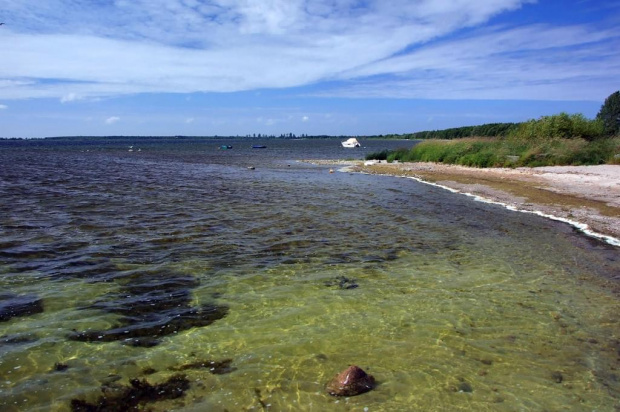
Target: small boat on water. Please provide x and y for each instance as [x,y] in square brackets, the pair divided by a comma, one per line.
[259,146]
[352,142]
[225,147]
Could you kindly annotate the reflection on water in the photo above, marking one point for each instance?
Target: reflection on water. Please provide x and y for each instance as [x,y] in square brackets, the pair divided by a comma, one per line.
[258,286]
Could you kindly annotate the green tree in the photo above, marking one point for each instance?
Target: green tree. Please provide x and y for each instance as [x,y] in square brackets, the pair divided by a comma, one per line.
[610,114]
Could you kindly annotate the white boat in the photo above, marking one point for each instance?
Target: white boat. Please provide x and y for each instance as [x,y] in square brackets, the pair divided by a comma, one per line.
[352,142]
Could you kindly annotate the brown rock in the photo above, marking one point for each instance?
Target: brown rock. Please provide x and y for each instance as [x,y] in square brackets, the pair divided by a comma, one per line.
[352,381]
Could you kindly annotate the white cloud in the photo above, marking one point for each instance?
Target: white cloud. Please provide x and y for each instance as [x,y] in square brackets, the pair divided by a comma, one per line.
[112,120]
[267,121]
[189,120]
[69,98]
[534,62]
[5,84]
[3,106]
[98,49]
[305,119]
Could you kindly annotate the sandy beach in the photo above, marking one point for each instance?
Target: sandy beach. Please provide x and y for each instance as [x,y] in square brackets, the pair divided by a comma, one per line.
[588,195]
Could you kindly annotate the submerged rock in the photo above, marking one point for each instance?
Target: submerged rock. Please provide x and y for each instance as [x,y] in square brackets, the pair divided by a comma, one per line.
[215,367]
[350,382]
[342,282]
[557,377]
[465,387]
[12,305]
[60,367]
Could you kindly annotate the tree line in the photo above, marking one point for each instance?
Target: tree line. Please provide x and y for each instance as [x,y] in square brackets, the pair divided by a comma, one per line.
[561,139]
[563,125]
[484,130]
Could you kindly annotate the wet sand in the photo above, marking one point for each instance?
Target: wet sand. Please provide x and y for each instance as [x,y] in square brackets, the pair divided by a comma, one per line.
[585,194]
[588,195]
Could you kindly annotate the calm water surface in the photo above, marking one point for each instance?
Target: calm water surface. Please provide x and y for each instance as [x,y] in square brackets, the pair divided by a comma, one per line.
[255,287]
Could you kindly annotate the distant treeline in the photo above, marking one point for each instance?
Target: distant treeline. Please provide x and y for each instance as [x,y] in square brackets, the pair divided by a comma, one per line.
[483,130]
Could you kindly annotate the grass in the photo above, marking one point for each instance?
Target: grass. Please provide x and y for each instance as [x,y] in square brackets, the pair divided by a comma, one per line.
[509,152]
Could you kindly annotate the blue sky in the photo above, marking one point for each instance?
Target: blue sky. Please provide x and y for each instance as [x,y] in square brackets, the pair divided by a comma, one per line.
[338,67]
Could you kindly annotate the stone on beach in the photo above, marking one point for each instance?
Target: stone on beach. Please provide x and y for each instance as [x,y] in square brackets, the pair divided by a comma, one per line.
[350,382]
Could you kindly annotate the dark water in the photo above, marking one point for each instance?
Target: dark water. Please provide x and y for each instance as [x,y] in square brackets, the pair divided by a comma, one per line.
[150,259]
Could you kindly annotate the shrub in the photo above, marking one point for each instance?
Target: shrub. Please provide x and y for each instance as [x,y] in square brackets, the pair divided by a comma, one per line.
[563,126]
[382,155]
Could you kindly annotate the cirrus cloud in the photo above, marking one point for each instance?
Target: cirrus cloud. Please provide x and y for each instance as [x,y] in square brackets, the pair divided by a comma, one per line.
[372,48]
[181,46]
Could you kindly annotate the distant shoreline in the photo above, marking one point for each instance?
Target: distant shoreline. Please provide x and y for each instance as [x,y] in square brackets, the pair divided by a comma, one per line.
[588,197]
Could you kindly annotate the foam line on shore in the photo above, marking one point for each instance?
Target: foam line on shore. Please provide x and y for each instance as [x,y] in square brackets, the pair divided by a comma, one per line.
[582,227]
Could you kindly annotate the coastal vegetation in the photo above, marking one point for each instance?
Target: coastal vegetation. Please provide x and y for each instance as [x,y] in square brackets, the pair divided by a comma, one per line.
[561,139]
[484,130]
[609,114]
[509,152]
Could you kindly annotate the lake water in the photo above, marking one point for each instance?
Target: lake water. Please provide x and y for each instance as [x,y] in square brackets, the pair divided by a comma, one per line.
[254,287]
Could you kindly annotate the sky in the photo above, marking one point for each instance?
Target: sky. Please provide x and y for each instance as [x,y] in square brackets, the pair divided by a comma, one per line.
[335,67]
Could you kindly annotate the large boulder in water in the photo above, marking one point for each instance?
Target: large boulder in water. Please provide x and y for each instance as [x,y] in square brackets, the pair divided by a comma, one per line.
[350,382]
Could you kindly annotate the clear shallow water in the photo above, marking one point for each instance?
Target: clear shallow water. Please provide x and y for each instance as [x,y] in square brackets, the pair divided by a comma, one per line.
[459,305]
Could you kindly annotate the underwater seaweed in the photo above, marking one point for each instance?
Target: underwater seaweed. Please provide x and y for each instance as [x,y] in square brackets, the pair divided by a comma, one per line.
[133,397]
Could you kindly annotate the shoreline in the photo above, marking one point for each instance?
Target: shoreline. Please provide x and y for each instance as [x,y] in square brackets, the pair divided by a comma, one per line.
[587,197]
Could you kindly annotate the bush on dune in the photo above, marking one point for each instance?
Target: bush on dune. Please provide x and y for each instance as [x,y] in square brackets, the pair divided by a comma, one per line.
[560,126]
[478,152]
